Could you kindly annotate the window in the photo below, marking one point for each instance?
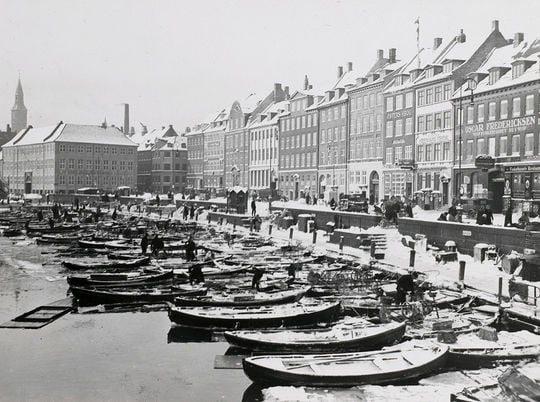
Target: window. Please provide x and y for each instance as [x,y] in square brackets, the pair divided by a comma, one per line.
[503,145]
[399,128]
[408,152]
[517,70]
[447,91]
[470,114]
[429,122]
[80,164]
[481,113]
[504,109]
[399,102]
[529,143]
[491,111]
[491,146]
[397,155]
[420,153]
[389,103]
[113,165]
[71,179]
[446,151]
[437,152]
[389,129]
[62,163]
[515,144]
[438,93]
[480,146]
[429,96]
[438,121]
[469,151]
[379,98]
[529,104]
[429,148]
[421,124]
[516,107]
[447,119]
[388,156]
[408,125]
[71,164]
[421,97]
[408,99]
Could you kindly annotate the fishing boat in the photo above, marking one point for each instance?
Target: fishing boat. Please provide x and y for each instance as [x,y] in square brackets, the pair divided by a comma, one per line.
[402,363]
[102,264]
[244,298]
[91,244]
[57,239]
[119,245]
[119,280]
[471,352]
[159,294]
[354,334]
[45,228]
[297,314]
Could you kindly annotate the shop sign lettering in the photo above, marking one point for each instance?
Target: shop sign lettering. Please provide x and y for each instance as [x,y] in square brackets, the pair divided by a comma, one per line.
[399,114]
[501,127]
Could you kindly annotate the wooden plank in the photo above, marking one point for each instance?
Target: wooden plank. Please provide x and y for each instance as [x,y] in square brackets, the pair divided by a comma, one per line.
[41,316]
[228,361]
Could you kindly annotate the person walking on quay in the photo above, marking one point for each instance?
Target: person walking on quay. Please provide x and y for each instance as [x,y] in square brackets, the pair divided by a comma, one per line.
[185,212]
[114,215]
[257,276]
[489,215]
[144,244]
[443,217]
[157,200]
[39,215]
[157,244]
[195,274]
[191,249]
[253,207]
[191,212]
[408,210]
[508,217]
[257,221]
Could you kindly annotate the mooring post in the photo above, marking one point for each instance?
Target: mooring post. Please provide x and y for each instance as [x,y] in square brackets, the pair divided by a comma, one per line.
[461,277]
[372,249]
[412,255]
[500,289]
[341,243]
[234,225]
[314,237]
[291,230]
[270,230]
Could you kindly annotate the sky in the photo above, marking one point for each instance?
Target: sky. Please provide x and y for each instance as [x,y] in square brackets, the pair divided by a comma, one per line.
[176,62]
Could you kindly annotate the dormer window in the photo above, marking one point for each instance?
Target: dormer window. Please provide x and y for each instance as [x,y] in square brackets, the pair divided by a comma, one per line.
[494,76]
[448,67]
[518,69]
[430,72]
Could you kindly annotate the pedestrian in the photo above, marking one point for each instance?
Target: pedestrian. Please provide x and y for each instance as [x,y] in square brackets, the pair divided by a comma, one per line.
[257,221]
[191,249]
[307,199]
[332,204]
[185,212]
[195,274]
[508,216]
[144,243]
[157,200]
[76,202]
[314,200]
[257,276]
[253,207]
[408,210]
[191,212]
[480,220]
[405,284]
[114,215]
[489,215]
[155,245]
[39,215]
[442,217]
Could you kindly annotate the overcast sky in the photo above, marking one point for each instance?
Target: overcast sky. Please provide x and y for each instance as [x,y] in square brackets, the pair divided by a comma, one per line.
[175,62]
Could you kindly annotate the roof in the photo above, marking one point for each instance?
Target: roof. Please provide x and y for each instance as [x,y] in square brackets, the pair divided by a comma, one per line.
[65,132]
[278,108]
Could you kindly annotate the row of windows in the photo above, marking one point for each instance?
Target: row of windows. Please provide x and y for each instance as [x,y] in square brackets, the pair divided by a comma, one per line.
[334,113]
[358,177]
[399,153]
[299,122]
[332,156]
[264,134]
[167,166]
[299,141]
[97,164]
[471,148]
[435,94]
[302,160]
[500,109]
[195,154]
[433,152]
[367,101]
[97,149]
[95,180]
[195,140]
[434,121]
[258,155]
[399,102]
[366,124]
[401,126]
[333,134]
[213,165]
[366,149]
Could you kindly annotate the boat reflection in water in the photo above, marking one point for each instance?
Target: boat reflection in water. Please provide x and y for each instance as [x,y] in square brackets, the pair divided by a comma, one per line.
[179,334]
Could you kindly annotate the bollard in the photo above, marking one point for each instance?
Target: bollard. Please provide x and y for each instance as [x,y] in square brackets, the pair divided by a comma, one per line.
[372,249]
[461,271]
[251,227]
[500,289]
[234,226]
[341,243]
[314,237]
[208,218]
[221,221]
[270,230]
[412,255]
[291,230]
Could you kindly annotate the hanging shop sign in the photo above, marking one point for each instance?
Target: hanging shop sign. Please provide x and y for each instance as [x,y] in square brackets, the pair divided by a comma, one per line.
[484,162]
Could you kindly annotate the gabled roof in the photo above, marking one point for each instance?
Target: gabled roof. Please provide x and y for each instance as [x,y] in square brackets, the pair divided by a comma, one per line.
[276,109]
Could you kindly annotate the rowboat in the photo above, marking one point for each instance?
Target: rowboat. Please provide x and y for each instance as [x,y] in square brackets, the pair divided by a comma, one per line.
[119,280]
[57,239]
[397,364]
[471,352]
[91,244]
[45,228]
[354,334]
[114,264]
[297,314]
[244,298]
[94,296]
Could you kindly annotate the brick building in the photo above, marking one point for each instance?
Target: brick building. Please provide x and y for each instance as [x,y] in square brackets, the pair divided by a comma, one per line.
[214,152]
[502,123]
[298,144]
[65,157]
[169,162]
[195,149]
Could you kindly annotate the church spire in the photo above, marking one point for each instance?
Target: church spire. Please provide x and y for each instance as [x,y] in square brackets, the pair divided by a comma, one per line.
[19,111]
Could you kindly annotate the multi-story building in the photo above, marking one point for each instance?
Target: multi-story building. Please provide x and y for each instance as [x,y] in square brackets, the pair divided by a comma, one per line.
[502,123]
[195,148]
[399,121]
[434,134]
[169,162]
[236,142]
[366,127]
[264,140]
[298,144]
[214,152]
[333,111]
[65,157]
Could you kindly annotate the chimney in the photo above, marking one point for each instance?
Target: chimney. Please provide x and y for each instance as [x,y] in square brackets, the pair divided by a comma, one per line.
[170,126]
[286,90]
[339,71]
[277,90]
[126,118]
[306,82]
[518,38]
[495,25]
[380,54]
[436,43]
[461,38]
[392,55]
[349,66]
[8,128]
[310,86]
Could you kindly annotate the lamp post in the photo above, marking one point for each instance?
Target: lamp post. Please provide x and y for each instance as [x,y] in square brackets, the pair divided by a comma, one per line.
[471,86]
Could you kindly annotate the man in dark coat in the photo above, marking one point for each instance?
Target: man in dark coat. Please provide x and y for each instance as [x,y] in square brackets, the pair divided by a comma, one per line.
[508,217]
[191,248]
[191,212]
[195,274]
[253,207]
[257,276]
[405,284]
[144,243]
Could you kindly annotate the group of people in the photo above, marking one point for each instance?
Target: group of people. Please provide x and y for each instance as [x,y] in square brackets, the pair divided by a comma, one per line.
[188,211]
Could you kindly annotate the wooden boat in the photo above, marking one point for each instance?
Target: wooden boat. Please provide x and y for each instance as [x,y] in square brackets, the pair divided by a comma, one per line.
[114,264]
[94,296]
[471,352]
[354,334]
[222,270]
[297,314]
[91,244]
[119,280]
[57,239]
[388,366]
[119,245]
[11,232]
[244,298]
[45,228]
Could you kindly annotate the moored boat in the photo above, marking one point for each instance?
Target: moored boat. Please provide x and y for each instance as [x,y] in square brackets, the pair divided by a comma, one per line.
[119,280]
[354,334]
[297,314]
[402,363]
[114,264]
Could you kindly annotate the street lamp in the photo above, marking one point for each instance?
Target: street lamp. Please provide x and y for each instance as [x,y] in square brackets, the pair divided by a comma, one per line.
[471,86]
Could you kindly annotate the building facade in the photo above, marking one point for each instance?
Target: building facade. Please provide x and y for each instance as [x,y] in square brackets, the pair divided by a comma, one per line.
[169,163]
[298,145]
[214,153]
[195,149]
[66,157]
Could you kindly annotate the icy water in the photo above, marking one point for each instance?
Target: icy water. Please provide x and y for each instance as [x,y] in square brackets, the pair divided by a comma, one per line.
[96,357]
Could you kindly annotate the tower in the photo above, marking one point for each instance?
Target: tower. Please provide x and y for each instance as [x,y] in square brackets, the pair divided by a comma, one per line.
[19,111]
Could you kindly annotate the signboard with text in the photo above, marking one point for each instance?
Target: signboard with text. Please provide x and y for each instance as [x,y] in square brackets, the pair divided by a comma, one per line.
[509,126]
